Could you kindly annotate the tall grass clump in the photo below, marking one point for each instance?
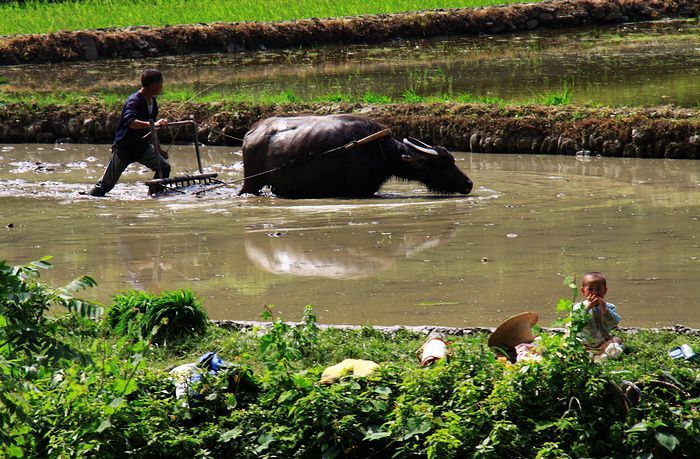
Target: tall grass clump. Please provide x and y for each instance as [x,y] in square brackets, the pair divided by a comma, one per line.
[411,97]
[562,97]
[175,314]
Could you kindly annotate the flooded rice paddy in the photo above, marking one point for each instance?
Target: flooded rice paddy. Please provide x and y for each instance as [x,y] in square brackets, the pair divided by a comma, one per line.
[634,64]
[404,257]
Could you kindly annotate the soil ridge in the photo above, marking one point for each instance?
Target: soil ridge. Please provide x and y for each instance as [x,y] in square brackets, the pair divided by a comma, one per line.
[138,42]
[656,132]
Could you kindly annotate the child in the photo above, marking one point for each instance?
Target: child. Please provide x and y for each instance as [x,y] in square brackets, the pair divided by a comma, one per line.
[596,336]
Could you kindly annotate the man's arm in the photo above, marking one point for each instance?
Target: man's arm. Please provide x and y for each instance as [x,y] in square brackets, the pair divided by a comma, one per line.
[138,124]
[130,114]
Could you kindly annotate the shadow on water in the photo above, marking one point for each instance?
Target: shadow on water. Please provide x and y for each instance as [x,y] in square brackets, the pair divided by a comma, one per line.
[405,257]
[638,64]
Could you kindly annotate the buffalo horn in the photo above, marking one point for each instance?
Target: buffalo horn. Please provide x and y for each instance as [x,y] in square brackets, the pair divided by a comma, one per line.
[426,150]
[419,142]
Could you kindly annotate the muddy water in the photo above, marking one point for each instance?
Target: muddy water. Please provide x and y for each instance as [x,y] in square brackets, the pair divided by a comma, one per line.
[405,257]
[647,63]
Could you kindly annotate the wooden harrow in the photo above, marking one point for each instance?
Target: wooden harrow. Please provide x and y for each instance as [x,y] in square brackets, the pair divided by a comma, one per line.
[164,185]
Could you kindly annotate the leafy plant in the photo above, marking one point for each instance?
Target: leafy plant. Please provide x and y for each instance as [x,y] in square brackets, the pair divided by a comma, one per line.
[24,302]
[30,340]
[175,314]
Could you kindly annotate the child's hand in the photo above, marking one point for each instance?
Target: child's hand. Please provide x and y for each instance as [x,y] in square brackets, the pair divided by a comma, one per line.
[594,300]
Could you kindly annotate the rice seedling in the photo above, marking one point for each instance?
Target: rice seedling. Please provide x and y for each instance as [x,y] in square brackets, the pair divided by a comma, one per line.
[41,16]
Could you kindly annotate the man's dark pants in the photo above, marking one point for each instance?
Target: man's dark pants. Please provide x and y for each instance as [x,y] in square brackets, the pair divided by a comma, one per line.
[116,167]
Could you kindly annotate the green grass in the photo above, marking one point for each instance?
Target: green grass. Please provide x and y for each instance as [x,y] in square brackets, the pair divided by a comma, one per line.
[562,97]
[279,98]
[43,17]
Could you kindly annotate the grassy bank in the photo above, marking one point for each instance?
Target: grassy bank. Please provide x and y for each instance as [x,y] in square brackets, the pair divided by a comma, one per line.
[79,387]
[409,96]
[43,17]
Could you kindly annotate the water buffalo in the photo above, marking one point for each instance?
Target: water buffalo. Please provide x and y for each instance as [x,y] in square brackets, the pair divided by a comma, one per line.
[356,172]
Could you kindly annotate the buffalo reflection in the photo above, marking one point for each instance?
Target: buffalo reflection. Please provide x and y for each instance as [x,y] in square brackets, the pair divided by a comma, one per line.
[346,252]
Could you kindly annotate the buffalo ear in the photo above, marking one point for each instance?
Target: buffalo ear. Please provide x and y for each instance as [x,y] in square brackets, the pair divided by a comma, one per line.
[409,159]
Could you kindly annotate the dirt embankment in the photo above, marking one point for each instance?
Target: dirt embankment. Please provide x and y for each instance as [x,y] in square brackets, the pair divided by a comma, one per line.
[134,42]
[663,132]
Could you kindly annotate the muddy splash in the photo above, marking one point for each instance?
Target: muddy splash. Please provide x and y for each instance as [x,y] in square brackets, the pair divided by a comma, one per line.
[661,132]
[136,42]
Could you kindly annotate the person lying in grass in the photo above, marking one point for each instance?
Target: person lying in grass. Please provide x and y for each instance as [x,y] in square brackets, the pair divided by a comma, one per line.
[597,337]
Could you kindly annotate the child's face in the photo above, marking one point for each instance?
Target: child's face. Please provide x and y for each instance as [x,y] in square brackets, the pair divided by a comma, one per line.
[594,288]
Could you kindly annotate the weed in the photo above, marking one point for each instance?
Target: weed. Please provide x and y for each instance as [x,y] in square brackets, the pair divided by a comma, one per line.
[336,97]
[411,97]
[290,97]
[373,98]
[562,97]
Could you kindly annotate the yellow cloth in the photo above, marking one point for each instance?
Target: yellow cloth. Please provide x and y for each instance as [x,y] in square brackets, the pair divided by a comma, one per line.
[354,367]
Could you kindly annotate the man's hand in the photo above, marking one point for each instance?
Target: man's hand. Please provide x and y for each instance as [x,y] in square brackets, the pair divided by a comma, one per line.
[162,122]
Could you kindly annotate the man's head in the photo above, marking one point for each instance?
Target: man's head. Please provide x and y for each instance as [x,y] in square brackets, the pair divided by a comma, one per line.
[152,81]
[594,283]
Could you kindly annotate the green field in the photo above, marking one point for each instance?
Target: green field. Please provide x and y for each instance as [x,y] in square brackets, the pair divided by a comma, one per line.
[43,17]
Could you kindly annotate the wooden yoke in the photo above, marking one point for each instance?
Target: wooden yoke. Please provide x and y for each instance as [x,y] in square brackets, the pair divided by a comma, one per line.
[370,138]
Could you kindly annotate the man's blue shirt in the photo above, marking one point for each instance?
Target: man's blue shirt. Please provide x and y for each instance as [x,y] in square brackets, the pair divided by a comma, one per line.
[130,142]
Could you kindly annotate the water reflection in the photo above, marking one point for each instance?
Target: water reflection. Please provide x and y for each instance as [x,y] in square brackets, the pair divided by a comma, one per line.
[348,252]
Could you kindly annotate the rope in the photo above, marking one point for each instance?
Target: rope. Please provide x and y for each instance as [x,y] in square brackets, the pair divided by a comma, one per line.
[225,135]
[172,141]
[213,85]
[348,146]
[195,126]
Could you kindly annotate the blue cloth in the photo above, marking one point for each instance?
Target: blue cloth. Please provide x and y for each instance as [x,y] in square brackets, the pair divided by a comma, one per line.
[212,362]
[130,142]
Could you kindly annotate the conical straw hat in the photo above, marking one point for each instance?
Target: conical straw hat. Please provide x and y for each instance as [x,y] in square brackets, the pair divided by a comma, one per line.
[514,331]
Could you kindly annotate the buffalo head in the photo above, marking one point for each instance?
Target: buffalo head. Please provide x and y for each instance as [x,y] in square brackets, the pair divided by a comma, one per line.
[434,166]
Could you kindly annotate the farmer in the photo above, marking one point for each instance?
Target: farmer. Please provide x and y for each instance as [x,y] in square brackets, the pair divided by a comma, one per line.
[603,316]
[131,142]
